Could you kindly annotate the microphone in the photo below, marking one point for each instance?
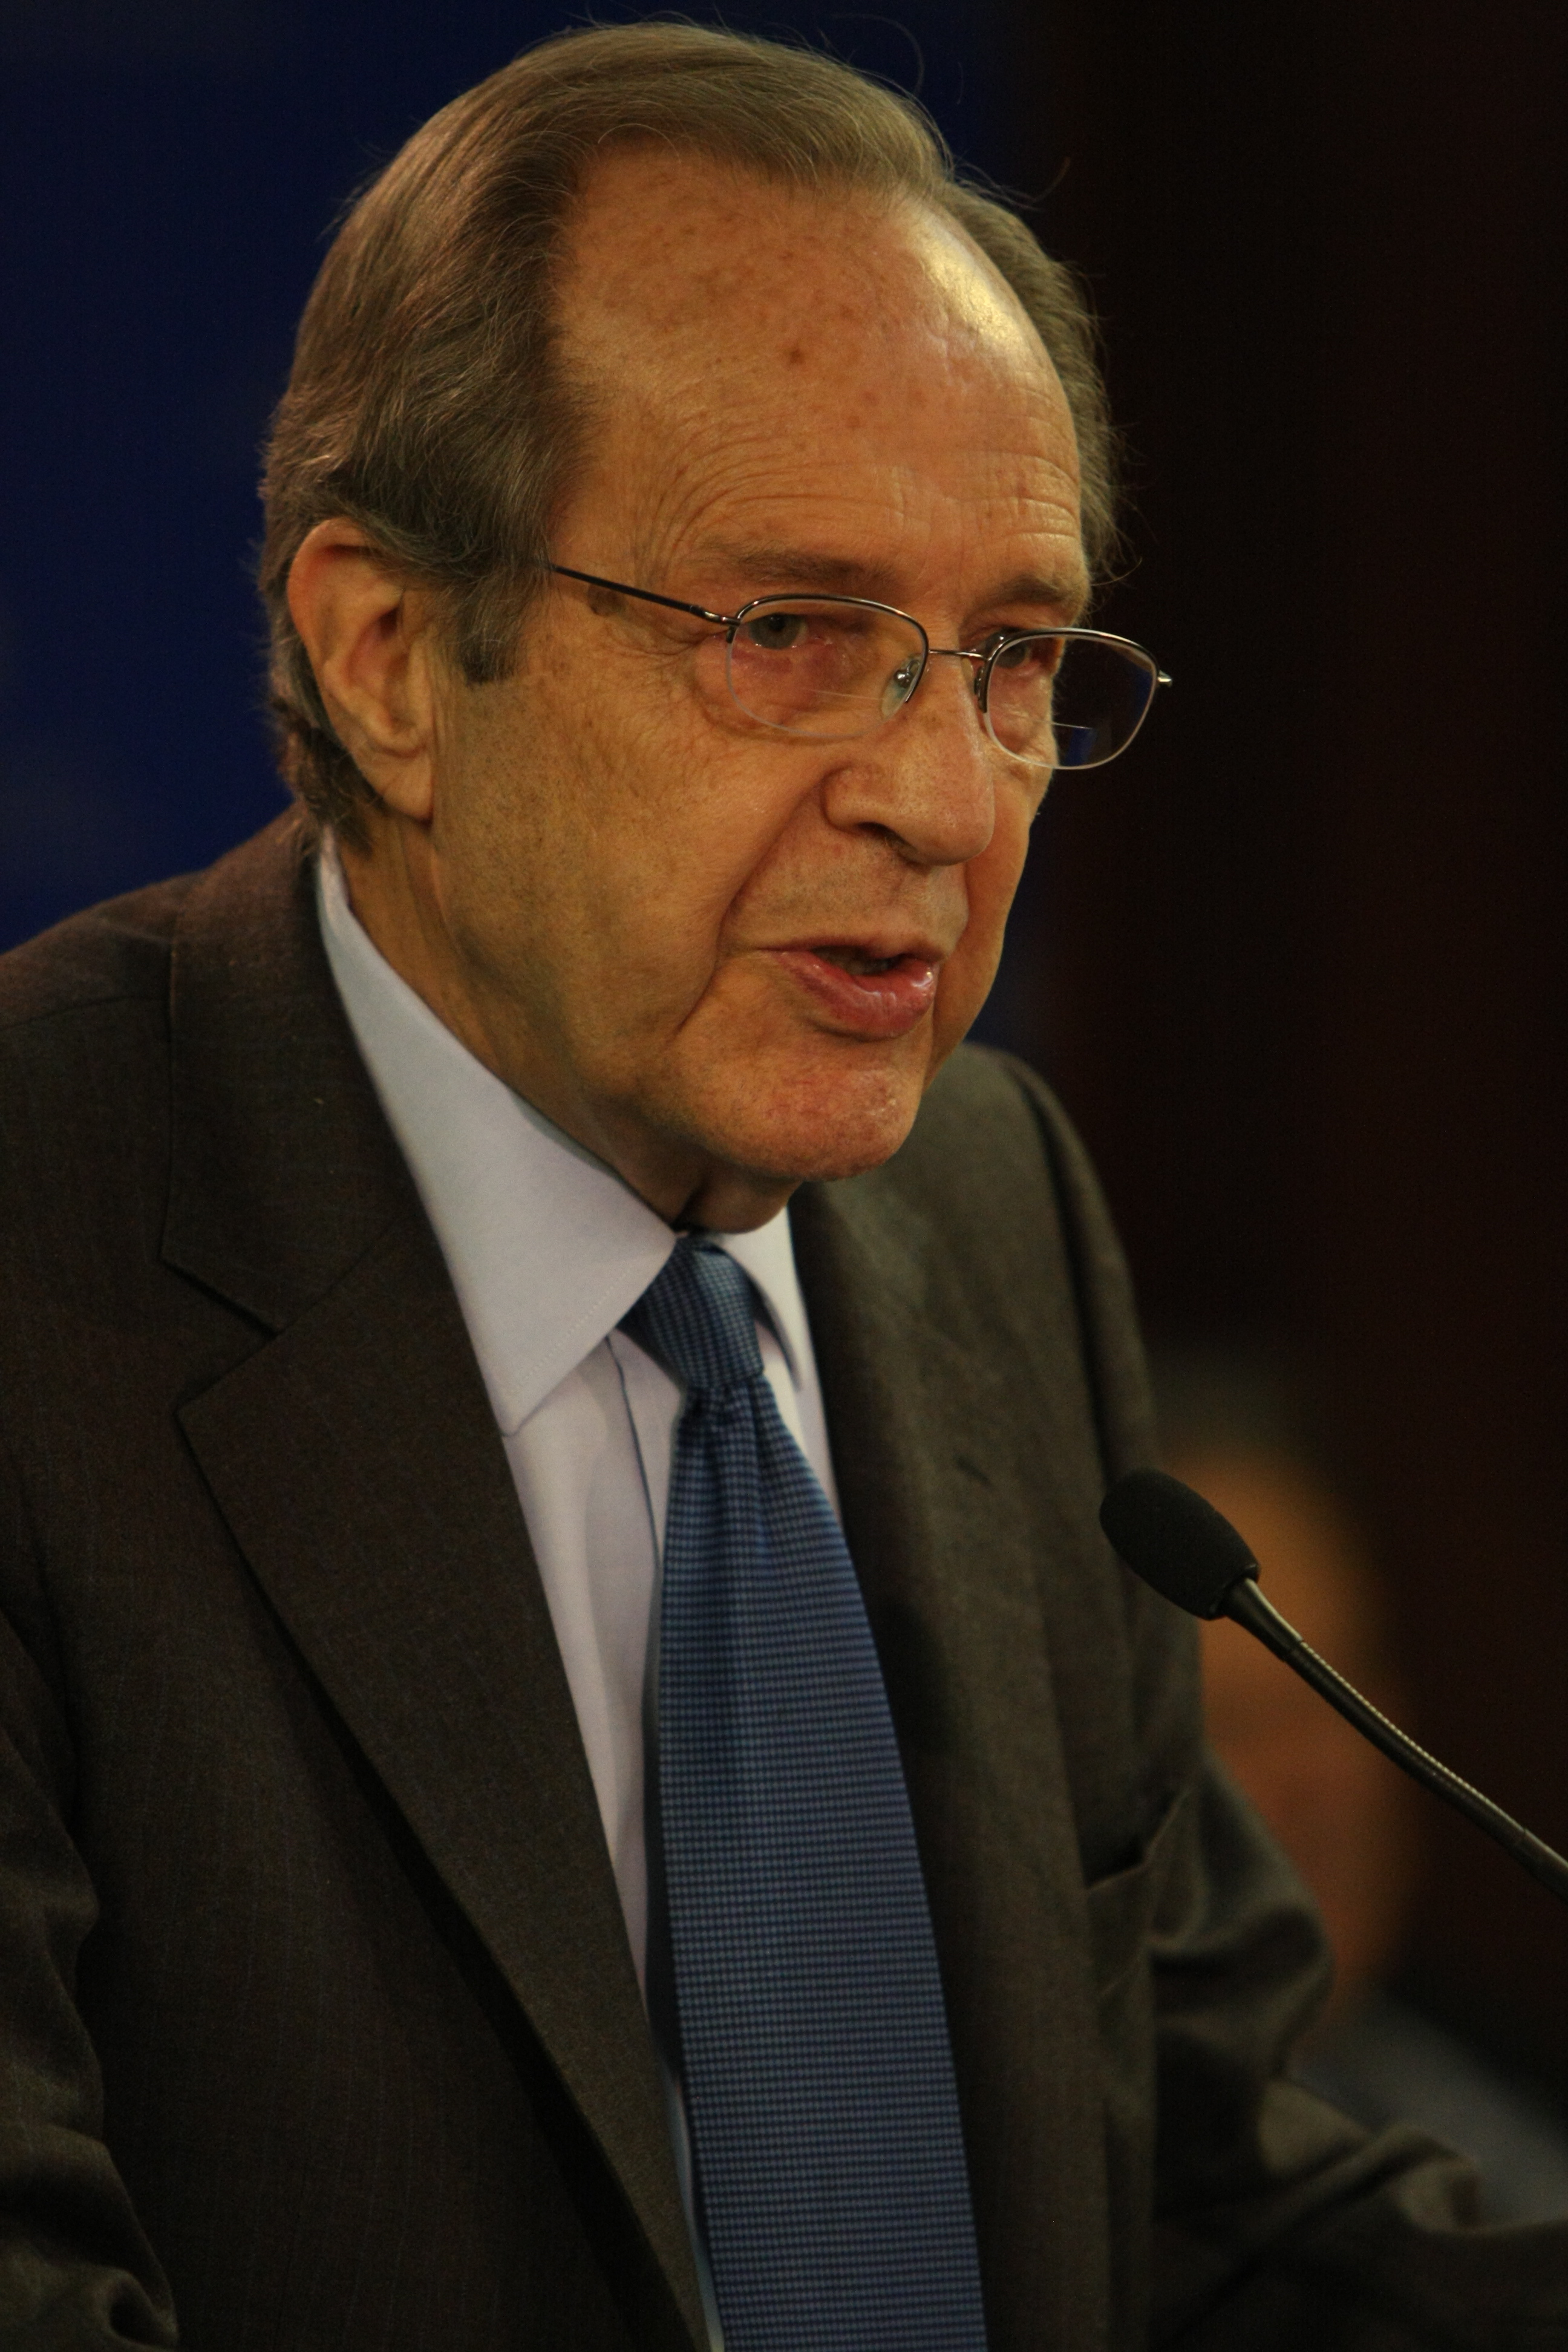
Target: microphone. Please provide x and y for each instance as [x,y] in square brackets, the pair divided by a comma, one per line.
[1190,1554]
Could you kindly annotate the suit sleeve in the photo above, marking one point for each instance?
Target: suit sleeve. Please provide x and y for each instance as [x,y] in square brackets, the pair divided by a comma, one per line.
[1277,2222]
[76,2272]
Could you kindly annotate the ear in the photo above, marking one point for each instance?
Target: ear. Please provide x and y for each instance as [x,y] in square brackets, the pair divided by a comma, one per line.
[369,638]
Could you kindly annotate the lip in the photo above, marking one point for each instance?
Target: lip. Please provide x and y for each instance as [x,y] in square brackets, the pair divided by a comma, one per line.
[866,1004]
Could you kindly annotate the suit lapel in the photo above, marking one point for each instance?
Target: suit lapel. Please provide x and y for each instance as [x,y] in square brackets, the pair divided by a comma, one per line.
[950,1561]
[354,1458]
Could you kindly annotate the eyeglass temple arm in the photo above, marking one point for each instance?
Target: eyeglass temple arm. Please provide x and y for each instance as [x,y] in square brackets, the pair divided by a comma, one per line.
[619,588]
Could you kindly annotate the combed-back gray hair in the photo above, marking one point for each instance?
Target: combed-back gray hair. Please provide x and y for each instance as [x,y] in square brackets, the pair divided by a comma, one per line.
[425,404]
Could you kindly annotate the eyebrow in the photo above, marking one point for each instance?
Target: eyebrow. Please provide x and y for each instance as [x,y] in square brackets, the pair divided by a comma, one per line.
[1068,591]
[807,568]
[801,567]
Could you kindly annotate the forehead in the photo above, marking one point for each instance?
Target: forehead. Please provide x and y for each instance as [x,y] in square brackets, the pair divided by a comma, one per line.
[761,358]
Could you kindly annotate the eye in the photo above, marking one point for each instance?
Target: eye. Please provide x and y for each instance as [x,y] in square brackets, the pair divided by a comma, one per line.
[1011,651]
[776,632]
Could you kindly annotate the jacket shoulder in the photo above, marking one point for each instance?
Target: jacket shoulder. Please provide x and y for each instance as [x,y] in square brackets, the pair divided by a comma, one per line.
[110,954]
[84,1105]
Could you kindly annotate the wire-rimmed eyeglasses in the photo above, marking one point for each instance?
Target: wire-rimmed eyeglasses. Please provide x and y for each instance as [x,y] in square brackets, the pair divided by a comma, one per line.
[839,667]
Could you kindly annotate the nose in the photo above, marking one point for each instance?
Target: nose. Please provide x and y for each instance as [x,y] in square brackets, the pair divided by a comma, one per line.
[927,778]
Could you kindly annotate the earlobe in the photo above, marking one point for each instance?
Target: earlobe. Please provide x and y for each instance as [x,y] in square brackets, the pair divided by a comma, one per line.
[367,633]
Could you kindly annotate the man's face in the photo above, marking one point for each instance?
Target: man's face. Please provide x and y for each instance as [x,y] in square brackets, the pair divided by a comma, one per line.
[705,948]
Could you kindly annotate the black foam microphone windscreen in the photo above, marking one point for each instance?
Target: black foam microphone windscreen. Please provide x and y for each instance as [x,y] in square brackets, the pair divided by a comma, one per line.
[1190,1554]
[1176,1542]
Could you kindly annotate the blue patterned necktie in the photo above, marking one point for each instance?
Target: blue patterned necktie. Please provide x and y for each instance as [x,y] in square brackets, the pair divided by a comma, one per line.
[813,2040]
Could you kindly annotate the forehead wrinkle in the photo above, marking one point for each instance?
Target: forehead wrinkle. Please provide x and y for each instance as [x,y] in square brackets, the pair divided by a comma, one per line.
[726,541]
[745,492]
[858,513]
[669,510]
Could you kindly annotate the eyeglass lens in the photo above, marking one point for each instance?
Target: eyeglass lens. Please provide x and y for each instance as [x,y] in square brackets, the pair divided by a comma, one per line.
[824,668]
[816,666]
[1075,701]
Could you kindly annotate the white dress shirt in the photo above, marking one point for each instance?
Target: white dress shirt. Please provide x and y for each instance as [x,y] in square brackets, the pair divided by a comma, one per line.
[547,1249]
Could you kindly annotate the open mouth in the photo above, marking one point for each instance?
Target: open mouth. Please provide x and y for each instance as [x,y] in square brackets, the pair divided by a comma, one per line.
[864,995]
[862,967]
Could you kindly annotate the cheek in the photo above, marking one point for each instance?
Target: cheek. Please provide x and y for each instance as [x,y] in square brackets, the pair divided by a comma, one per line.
[990,883]
[727,838]
[599,809]
[634,846]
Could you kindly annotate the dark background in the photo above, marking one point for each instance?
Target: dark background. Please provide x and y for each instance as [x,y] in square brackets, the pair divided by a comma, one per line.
[1297,964]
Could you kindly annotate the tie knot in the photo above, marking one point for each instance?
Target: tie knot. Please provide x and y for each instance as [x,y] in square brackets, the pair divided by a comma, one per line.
[697,1317]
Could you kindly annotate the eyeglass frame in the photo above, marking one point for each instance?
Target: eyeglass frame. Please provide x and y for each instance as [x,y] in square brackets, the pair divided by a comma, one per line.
[987,660]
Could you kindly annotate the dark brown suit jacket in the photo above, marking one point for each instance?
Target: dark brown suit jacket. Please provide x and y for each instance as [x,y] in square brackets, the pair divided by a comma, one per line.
[320,2030]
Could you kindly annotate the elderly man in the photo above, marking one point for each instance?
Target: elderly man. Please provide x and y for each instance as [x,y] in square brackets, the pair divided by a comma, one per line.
[576,1772]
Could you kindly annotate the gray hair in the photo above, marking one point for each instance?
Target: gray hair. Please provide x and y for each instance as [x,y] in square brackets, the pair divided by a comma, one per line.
[425,404]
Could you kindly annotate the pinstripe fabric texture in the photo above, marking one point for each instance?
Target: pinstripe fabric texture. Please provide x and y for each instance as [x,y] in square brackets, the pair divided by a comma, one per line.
[817,2067]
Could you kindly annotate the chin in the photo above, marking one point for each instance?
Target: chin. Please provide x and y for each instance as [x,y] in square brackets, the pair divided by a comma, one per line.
[809,1125]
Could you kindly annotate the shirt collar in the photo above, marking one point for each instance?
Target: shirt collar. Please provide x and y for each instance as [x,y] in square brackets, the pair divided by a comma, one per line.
[547,1247]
